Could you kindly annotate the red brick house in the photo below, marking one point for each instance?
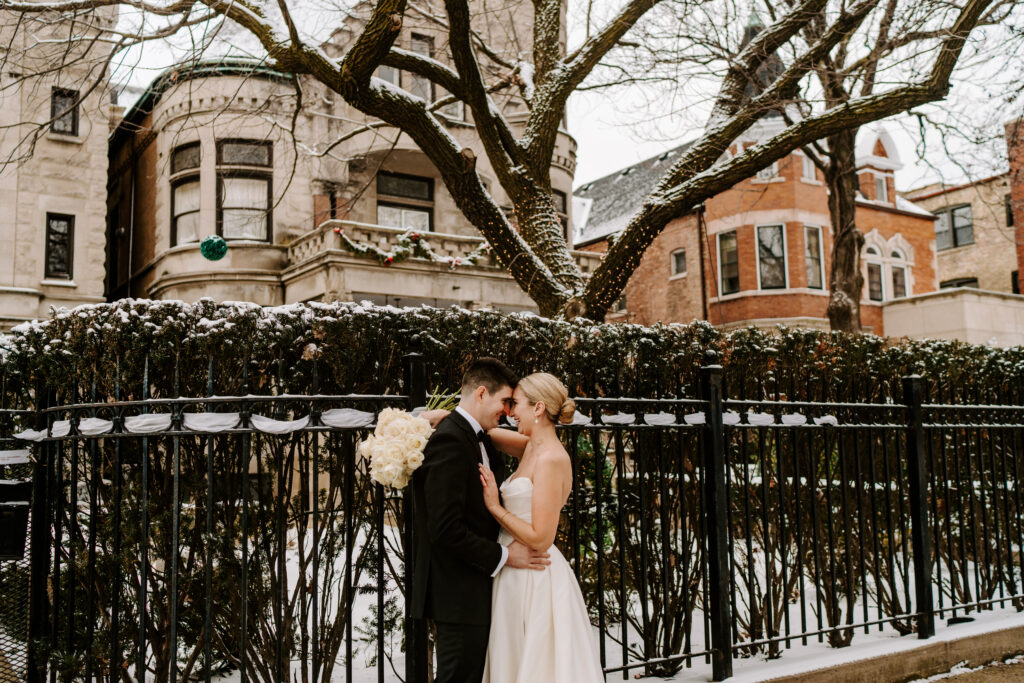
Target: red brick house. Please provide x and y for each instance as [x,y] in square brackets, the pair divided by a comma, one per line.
[759,253]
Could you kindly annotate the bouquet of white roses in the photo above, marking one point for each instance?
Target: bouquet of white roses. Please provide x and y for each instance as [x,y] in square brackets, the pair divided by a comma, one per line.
[395,449]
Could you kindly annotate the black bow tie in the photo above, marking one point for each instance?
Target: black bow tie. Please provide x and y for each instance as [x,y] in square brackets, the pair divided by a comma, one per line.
[482,437]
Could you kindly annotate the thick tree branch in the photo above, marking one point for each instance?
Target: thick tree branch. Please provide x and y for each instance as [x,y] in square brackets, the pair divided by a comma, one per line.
[760,48]
[429,68]
[560,81]
[496,136]
[478,40]
[708,149]
[86,5]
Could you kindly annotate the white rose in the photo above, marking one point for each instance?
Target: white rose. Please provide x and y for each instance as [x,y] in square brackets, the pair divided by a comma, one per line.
[377,449]
[416,442]
[422,427]
[386,417]
[393,470]
[413,460]
[396,429]
[366,447]
[393,452]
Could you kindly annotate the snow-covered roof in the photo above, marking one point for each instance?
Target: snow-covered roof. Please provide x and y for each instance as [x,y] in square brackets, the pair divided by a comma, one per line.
[617,196]
[867,138]
[910,207]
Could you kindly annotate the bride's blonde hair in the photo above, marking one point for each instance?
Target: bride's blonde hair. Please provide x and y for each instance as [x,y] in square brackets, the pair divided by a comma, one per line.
[540,387]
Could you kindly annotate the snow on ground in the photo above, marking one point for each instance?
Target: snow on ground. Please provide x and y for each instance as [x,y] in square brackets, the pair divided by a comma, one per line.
[962,668]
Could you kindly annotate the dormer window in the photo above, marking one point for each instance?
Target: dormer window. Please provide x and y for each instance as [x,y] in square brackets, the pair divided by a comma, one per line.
[881,189]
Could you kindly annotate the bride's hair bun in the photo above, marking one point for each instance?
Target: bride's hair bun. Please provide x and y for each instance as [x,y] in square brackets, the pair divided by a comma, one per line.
[567,412]
[541,387]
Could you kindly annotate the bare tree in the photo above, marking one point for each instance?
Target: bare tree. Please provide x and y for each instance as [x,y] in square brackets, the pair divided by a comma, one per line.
[531,244]
[843,75]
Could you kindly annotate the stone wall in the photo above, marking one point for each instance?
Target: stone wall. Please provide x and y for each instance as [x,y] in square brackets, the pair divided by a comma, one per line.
[967,314]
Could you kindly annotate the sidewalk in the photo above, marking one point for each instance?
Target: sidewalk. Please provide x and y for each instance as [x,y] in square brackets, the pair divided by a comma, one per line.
[1010,670]
[885,657]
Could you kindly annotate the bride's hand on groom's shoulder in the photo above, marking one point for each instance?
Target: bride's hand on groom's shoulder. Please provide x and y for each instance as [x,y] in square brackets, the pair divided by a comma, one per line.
[523,557]
[434,417]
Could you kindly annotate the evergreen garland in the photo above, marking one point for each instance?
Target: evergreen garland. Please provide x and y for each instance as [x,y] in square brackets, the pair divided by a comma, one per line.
[411,244]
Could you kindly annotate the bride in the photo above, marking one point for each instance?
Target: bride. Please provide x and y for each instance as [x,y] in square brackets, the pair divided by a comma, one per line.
[540,631]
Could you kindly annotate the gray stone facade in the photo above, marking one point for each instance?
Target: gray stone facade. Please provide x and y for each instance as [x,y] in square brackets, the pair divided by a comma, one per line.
[53,184]
[325,170]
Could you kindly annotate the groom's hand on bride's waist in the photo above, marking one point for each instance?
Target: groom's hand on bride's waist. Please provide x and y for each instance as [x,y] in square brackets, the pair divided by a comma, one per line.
[522,557]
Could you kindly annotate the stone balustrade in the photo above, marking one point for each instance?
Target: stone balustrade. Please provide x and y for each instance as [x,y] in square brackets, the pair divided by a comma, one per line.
[323,238]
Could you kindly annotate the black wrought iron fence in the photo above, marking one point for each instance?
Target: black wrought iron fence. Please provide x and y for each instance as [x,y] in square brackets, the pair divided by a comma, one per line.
[15,527]
[185,537]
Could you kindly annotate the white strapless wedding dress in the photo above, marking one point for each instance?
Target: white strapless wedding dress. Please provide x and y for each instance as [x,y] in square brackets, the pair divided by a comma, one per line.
[540,631]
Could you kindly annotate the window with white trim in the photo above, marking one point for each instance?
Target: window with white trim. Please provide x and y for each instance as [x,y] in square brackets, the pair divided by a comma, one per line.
[875,281]
[769,172]
[881,189]
[728,263]
[874,271]
[678,262]
[389,74]
[771,256]
[185,211]
[898,274]
[813,257]
[954,227]
[244,189]
[809,170]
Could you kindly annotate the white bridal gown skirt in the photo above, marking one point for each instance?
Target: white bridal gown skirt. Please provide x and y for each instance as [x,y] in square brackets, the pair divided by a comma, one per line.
[540,632]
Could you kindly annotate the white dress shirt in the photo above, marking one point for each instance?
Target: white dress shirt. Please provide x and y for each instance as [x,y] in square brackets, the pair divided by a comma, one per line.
[475,426]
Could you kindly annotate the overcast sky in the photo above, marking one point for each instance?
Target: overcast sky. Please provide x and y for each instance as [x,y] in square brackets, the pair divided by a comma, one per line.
[610,137]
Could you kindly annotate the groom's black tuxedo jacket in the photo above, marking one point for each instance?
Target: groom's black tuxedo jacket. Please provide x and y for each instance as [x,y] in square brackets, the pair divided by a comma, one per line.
[456,537]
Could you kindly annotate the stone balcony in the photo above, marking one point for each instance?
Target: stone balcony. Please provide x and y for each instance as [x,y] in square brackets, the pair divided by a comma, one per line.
[324,239]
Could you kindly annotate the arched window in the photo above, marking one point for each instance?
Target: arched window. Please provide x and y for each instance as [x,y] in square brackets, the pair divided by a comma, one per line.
[874,274]
[898,273]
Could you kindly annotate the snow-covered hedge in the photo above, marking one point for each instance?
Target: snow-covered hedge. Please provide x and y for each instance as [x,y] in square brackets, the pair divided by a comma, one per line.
[359,348]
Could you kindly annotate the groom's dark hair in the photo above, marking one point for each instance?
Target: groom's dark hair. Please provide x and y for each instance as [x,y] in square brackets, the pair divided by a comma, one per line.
[489,373]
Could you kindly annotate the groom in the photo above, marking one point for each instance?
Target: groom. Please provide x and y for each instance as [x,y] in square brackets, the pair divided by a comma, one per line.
[457,553]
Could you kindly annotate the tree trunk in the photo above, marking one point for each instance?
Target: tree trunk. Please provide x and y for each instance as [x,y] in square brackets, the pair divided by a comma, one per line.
[847,282]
